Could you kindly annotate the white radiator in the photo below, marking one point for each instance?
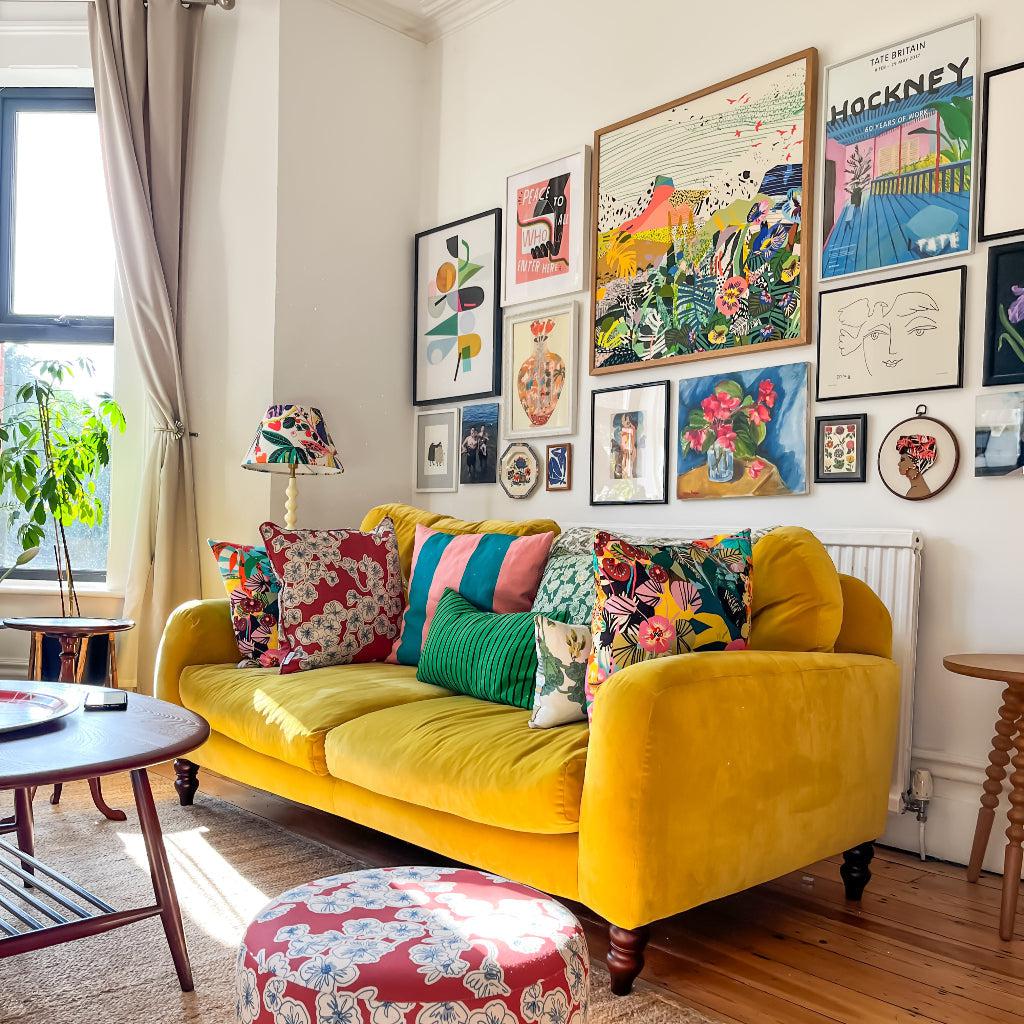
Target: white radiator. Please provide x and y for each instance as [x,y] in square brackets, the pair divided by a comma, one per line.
[888,561]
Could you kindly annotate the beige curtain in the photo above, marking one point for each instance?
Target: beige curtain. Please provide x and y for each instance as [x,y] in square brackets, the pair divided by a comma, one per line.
[143,59]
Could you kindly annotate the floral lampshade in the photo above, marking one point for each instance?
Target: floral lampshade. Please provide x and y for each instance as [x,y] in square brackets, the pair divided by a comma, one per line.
[292,439]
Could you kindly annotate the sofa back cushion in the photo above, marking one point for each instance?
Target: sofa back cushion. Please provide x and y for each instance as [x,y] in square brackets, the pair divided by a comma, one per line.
[252,588]
[798,601]
[407,517]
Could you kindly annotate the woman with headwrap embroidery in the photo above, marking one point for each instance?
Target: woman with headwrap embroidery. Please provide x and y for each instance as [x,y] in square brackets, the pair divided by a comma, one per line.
[917,455]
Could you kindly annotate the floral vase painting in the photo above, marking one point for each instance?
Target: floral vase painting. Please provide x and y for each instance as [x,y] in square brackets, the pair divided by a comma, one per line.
[744,434]
[541,377]
[541,353]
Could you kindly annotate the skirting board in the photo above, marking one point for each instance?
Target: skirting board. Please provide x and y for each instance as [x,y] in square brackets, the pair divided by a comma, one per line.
[14,668]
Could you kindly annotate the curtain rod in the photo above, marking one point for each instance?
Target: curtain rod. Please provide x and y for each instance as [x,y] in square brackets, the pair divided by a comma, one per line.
[228,5]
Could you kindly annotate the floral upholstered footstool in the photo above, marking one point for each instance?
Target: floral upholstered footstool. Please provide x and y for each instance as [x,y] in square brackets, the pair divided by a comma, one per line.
[413,946]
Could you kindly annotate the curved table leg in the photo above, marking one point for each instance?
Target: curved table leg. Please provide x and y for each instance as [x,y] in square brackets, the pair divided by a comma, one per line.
[163,884]
[23,826]
[108,812]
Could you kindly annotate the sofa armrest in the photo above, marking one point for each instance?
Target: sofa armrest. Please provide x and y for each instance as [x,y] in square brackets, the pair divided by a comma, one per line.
[709,773]
[197,633]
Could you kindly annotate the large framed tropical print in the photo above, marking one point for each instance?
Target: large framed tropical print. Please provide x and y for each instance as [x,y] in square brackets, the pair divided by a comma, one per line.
[898,153]
[457,314]
[700,215]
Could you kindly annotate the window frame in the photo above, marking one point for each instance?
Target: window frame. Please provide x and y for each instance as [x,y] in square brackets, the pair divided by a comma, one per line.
[15,327]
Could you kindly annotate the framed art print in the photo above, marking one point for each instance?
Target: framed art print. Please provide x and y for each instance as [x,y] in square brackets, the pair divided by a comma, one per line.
[518,470]
[457,314]
[1004,315]
[999,434]
[840,449]
[898,153]
[437,445]
[891,337]
[1002,154]
[558,475]
[478,453]
[629,445]
[546,217]
[701,208]
[540,371]
[743,434]
[919,457]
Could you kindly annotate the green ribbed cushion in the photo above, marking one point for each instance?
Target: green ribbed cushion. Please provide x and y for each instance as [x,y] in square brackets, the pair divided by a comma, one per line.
[486,655]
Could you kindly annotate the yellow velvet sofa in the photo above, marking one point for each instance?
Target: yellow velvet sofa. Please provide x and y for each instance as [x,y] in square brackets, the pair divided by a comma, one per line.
[702,775]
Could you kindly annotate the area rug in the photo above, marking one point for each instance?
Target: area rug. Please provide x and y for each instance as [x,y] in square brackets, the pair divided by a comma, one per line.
[227,863]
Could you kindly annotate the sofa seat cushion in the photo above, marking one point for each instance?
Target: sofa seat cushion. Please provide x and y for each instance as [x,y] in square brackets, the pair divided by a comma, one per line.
[288,716]
[467,757]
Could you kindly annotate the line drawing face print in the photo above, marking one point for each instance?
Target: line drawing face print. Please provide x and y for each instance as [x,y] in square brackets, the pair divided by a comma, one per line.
[884,335]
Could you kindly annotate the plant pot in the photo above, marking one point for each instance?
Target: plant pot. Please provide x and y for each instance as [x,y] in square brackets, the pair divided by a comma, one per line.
[721,465]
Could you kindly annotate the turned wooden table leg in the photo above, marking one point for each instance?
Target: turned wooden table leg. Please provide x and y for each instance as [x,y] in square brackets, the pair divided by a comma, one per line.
[998,759]
[855,870]
[186,780]
[626,956]
[1015,836]
[68,651]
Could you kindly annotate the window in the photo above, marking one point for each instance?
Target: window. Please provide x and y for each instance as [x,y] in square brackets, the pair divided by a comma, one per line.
[56,273]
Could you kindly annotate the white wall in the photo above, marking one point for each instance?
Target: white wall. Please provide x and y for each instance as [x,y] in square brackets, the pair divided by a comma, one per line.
[533,81]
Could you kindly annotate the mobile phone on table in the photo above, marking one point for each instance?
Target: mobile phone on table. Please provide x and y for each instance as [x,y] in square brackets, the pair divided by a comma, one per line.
[106,700]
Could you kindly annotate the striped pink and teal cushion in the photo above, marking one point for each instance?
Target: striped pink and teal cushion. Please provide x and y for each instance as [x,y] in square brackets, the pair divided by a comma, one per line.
[496,572]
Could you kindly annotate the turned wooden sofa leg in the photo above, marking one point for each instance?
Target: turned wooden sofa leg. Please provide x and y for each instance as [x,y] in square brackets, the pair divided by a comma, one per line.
[626,956]
[855,871]
[186,780]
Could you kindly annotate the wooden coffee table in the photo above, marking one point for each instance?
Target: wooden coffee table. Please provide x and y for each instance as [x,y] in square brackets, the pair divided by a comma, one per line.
[84,745]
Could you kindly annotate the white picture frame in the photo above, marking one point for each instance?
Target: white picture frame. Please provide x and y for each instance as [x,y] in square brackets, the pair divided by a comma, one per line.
[520,344]
[430,427]
[526,276]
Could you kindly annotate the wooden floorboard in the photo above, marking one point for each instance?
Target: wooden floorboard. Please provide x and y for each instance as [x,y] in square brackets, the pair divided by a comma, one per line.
[921,947]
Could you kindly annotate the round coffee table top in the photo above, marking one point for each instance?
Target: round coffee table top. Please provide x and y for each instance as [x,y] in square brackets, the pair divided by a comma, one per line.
[1006,668]
[56,625]
[87,744]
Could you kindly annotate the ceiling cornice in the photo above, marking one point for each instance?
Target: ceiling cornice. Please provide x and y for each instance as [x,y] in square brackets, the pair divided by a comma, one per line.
[436,18]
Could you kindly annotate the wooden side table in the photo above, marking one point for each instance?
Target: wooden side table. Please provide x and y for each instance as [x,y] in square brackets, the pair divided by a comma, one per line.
[1007,669]
[74,635]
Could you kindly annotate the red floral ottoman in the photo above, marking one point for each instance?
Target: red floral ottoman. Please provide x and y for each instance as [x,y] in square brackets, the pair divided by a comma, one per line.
[413,946]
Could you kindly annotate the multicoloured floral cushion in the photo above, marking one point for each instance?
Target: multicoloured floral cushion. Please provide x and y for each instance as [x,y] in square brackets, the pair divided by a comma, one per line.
[341,594]
[563,651]
[252,589]
[653,601]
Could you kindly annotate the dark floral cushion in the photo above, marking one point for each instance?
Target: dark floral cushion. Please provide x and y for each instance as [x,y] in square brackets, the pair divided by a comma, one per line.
[252,590]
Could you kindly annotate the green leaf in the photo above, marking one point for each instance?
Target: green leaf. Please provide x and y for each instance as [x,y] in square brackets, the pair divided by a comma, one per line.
[730,387]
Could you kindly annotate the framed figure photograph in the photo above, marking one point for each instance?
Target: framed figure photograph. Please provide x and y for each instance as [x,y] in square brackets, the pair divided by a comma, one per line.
[540,371]
[558,475]
[701,210]
[1002,154]
[457,313]
[1004,315]
[892,337]
[546,218]
[478,453]
[840,449]
[437,446]
[629,445]
[898,153]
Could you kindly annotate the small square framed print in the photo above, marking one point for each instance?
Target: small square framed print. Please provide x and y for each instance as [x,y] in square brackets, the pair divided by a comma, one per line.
[437,450]
[840,448]
[558,474]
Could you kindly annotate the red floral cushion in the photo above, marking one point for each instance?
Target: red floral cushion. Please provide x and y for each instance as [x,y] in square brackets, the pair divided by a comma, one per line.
[341,594]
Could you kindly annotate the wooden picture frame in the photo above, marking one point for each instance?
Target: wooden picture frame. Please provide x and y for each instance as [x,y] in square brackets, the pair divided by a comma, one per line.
[860,436]
[1009,152]
[1004,317]
[703,315]
[437,274]
[566,485]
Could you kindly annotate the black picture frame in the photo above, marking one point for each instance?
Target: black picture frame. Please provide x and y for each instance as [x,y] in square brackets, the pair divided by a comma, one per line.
[983,235]
[823,477]
[961,269]
[664,385]
[992,375]
[497,315]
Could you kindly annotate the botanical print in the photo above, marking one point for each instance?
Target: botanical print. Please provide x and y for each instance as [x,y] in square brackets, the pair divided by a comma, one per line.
[559,467]
[918,457]
[436,441]
[840,445]
[478,456]
[745,434]
[546,214]
[1004,333]
[892,336]
[540,398]
[700,222]
[519,470]
[999,434]
[654,601]
[562,654]
[457,318]
[899,157]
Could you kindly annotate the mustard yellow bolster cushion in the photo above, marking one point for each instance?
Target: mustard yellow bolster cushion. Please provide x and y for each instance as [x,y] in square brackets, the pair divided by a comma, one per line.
[407,517]
[798,600]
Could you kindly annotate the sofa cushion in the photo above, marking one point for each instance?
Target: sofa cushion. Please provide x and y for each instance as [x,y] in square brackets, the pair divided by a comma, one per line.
[252,588]
[287,716]
[407,517]
[466,757]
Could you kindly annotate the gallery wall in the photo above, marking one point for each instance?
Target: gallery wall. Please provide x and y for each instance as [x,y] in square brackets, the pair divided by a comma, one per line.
[532,82]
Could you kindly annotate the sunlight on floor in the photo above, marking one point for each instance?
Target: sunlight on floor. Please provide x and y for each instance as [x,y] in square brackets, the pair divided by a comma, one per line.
[210,890]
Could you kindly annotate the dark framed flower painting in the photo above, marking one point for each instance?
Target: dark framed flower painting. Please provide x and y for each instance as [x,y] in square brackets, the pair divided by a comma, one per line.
[1004,321]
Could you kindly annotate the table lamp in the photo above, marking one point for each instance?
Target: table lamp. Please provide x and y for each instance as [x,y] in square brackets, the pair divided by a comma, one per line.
[292,439]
